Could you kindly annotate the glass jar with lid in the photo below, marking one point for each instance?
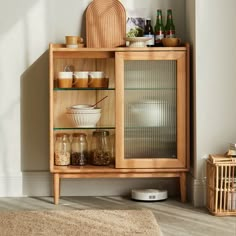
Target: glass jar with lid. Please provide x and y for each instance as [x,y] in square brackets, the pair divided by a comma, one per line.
[62,150]
[79,149]
[101,148]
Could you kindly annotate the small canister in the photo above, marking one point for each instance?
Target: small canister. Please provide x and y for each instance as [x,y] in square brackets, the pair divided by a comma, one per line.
[62,150]
[79,149]
[101,148]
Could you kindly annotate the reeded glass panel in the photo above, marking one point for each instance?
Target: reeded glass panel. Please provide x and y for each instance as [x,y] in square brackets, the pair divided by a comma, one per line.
[150,109]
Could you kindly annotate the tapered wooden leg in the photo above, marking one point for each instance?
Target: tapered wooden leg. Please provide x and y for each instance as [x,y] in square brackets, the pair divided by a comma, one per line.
[183,190]
[56,188]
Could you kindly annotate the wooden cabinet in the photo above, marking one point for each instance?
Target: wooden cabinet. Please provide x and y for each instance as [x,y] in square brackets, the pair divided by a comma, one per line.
[147,110]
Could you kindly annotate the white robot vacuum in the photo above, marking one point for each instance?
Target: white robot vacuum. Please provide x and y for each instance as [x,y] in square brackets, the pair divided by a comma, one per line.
[149,195]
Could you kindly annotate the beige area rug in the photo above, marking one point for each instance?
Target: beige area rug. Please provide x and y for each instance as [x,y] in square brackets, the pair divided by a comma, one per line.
[79,222]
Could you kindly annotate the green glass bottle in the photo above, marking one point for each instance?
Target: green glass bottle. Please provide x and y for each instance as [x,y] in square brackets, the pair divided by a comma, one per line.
[170,27]
[159,29]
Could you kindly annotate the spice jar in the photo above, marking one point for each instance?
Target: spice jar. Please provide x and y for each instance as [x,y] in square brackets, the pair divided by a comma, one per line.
[62,150]
[101,148]
[79,152]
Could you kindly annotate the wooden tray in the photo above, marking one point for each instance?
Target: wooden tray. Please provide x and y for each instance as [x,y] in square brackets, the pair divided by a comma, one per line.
[105,24]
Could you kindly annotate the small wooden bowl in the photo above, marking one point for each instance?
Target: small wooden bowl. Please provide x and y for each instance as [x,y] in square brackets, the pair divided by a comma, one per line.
[171,42]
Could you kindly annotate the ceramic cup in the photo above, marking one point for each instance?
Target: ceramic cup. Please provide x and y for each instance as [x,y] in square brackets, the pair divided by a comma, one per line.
[97,79]
[72,45]
[80,79]
[73,41]
[65,79]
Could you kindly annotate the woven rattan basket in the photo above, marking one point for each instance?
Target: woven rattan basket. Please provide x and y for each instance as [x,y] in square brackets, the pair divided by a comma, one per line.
[221,185]
[105,24]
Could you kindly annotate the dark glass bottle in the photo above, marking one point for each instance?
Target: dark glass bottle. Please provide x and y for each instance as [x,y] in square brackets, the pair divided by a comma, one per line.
[159,29]
[148,32]
[170,27]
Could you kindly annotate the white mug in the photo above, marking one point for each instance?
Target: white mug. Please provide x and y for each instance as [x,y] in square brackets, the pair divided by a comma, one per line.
[81,79]
[65,79]
[97,74]
[72,45]
[97,79]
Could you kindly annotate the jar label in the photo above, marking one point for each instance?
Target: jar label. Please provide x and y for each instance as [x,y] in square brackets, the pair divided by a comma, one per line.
[158,37]
[151,41]
[170,34]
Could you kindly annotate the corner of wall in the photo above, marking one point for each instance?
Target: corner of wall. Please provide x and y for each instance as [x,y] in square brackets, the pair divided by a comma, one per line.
[197,191]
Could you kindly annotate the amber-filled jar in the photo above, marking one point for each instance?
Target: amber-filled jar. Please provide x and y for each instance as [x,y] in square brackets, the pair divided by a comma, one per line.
[79,149]
[101,148]
[62,150]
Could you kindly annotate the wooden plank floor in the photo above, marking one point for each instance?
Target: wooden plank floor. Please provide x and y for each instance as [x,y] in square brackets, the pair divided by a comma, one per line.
[175,218]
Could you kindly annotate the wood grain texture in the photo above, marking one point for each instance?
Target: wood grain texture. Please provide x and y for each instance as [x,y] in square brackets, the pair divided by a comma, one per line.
[56,188]
[111,61]
[105,24]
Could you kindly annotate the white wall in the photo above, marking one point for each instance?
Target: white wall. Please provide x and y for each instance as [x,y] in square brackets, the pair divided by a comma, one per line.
[215,77]
[26,29]
[214,83]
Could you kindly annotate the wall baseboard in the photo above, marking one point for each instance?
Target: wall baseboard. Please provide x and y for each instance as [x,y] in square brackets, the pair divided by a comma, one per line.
[11,186]
[41,183]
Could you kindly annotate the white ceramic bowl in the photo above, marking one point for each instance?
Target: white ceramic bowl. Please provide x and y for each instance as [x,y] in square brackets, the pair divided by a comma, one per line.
[82,106]
[76,111]
[137,42]
[84,119]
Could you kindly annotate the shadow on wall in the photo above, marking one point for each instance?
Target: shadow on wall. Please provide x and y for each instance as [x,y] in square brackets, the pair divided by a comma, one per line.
[34,116]
[15,9]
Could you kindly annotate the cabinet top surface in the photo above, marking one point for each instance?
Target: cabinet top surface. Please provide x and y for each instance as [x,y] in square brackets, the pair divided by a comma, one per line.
[62,48]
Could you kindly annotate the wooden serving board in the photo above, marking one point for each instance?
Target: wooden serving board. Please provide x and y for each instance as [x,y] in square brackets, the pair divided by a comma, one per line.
[105,24]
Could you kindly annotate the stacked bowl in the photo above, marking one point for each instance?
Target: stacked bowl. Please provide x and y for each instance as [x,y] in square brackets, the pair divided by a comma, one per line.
[84,116]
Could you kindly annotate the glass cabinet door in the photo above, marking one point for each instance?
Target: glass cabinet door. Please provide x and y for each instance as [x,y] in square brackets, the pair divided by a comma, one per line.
[150,109]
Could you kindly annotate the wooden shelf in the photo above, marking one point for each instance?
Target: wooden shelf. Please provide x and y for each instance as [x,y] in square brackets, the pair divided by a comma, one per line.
[84,128]
[62,48]
[82,89]
[107,169]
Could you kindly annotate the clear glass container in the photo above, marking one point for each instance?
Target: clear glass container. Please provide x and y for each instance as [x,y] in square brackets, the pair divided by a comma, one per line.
[101,148]
[79,152]
[62,151]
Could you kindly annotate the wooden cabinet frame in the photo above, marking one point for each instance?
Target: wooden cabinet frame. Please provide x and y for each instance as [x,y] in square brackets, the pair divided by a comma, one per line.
[180,161]
[127,168]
